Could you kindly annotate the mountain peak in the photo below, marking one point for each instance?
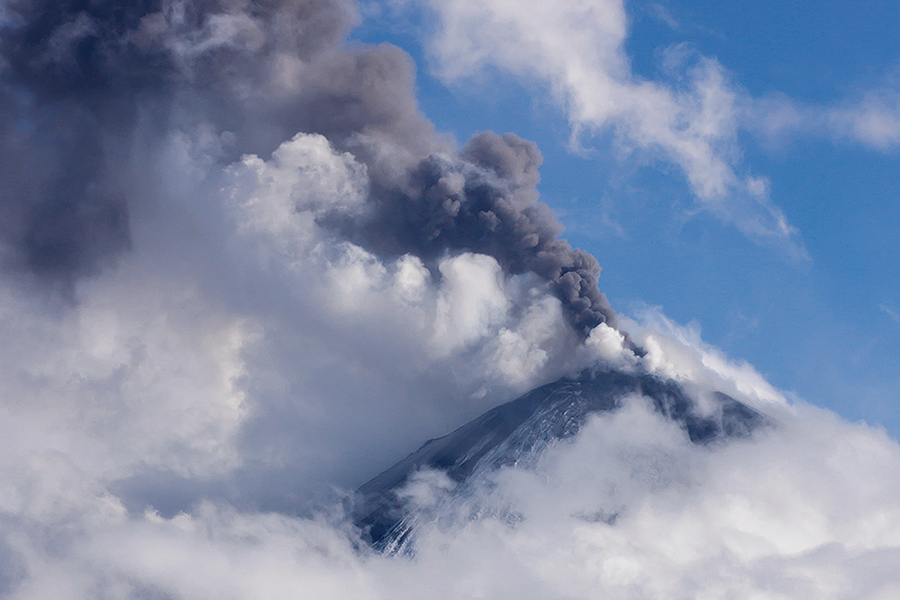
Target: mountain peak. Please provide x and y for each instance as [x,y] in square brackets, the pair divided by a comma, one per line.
[517,432]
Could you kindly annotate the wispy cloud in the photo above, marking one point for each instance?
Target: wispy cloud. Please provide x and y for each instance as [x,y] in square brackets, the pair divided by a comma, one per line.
[662,13]
[893,314]
[577,48]
[871,119]
[690,117]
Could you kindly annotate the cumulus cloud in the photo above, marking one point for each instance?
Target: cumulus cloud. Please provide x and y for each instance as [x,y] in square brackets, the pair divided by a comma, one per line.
[630,507]
[197,207]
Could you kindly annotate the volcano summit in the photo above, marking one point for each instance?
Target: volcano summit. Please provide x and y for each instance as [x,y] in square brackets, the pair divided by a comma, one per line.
[517,432]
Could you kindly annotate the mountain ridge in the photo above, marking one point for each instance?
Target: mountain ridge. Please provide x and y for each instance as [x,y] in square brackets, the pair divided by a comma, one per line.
[518,431]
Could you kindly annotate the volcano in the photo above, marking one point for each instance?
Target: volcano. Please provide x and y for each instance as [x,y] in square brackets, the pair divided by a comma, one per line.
[514,434]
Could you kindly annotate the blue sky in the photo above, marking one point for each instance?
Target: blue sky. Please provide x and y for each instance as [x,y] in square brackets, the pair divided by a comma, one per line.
[818,311]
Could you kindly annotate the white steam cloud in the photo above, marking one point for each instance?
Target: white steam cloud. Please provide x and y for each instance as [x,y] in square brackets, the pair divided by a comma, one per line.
[629,508]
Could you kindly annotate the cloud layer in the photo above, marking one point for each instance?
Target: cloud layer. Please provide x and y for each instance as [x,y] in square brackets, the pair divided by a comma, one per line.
[629,508]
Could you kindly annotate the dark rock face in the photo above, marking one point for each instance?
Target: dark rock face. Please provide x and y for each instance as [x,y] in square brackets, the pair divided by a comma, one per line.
[515,433]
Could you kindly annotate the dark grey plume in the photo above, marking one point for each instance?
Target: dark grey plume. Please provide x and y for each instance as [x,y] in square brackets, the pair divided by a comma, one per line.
[484,199]
[62,205]
[82,80]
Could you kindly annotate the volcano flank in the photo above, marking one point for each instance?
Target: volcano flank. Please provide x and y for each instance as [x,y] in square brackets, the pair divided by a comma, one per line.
[516,433]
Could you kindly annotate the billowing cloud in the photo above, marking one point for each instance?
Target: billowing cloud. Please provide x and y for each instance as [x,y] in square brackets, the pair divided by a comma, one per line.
[242,274]
[628,508]
[198,215]
[484,200]
[89,89]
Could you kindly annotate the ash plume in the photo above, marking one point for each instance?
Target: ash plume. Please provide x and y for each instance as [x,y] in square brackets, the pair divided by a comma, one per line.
[484,199]
[85,83]
[88,86]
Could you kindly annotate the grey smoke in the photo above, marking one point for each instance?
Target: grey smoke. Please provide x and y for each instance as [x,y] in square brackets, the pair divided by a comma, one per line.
[484,199]
[86,86]
[84,82]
